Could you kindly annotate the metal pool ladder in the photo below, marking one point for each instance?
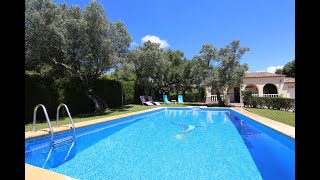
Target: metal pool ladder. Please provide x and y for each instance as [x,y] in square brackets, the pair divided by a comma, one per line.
[61,142]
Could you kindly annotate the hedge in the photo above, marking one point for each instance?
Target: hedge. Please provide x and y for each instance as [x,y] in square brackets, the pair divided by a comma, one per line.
[110,91]
[278,103]
[40,90]
[50,92]
[190,96]
[128,91]
[74,96]
[246,97]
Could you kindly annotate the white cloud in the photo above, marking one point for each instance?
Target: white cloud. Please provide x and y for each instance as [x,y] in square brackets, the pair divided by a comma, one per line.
[133,44]
[155,39]
[272,69]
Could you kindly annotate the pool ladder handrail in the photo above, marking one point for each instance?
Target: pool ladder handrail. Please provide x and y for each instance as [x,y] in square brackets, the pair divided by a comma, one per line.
[52,142]
[47,118]
[67,109]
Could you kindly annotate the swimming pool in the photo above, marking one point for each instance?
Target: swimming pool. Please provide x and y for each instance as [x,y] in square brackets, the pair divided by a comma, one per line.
[172,143]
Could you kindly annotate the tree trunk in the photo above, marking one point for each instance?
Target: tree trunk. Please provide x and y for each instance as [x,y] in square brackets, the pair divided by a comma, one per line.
[220,102]
[99,104]
[227,97]
[153,93]
[184,92]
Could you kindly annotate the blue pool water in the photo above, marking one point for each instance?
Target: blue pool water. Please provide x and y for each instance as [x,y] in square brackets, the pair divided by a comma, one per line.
[172,143]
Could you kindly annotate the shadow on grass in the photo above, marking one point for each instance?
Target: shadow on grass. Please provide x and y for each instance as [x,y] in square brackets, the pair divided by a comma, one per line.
[88,115]
[119,109]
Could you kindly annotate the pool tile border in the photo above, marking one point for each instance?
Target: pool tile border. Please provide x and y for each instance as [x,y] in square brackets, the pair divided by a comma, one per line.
[278,126]
[46,131]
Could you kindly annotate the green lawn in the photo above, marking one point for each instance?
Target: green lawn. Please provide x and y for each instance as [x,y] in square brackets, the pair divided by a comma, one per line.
[277,115]
[41,124]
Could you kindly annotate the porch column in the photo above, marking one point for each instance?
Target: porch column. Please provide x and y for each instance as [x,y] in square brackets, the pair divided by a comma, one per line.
[242,87]
[208,90]
[260,90]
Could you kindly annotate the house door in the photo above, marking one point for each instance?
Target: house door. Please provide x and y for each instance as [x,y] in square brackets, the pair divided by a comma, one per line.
[236,91]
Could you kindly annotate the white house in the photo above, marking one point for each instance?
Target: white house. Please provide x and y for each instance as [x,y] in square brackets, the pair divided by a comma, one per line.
[262,84]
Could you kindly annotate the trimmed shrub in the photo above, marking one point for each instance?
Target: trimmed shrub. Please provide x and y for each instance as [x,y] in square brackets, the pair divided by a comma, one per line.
[40,90]
[190,96]
[51,92]
[138,91]
[257,102]
[253,102]
[110,91]
[75,97]
[268,102]
[273,103]
[246,97]
[128,91]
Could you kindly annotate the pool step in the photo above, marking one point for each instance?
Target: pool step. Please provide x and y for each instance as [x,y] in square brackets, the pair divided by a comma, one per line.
[62,142]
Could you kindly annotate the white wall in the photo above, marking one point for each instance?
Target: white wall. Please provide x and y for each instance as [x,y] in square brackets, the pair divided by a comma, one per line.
[289,90]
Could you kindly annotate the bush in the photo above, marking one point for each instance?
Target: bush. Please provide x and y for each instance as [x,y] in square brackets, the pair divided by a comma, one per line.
[128,90]
[253,102]
[195,96]
[268,102]
[110,91]
[75,97]
[138,91]
[273,103]
[259,102]
[50,92]
[246,97]
[192,97]
[40,90]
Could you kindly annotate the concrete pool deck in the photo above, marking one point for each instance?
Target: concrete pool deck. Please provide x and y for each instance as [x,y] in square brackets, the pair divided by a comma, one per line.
[32,172]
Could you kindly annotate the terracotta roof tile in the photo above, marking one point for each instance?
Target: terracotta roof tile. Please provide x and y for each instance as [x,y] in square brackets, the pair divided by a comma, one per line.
[262,74]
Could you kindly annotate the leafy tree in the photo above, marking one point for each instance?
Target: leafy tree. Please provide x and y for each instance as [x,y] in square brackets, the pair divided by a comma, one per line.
[187,76]
[231,72]
[199,71]
[150,66]
[278,71]
[74,41]
[175,72]
[210,75]
[208,53]
[228,72]
[124,72]
[288,69]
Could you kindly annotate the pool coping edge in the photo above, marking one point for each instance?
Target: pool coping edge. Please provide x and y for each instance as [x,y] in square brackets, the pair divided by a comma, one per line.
[46,131]
[280,127]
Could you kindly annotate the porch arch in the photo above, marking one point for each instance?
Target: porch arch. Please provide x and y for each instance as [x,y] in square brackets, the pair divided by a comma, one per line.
[270,90]
[253,88]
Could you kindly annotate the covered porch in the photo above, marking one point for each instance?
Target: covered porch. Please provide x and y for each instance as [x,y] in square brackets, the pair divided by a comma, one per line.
[233,94]
[266,90]
[260,90]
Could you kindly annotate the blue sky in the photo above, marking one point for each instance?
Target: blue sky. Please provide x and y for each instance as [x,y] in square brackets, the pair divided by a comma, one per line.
[267,27]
